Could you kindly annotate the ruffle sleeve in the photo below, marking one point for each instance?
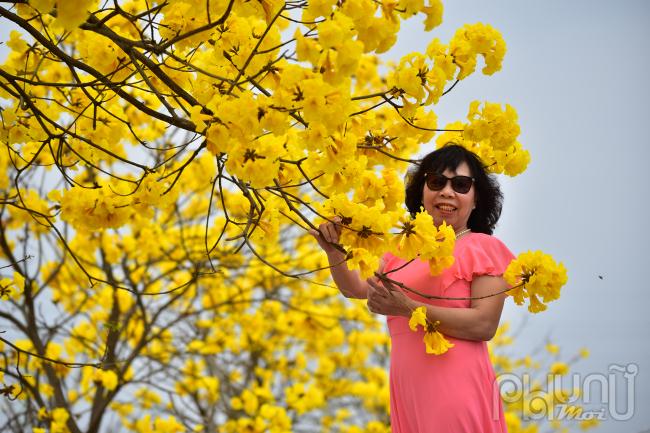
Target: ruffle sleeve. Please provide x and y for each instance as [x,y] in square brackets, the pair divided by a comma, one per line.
[477,254]
[388,262]
[481,254]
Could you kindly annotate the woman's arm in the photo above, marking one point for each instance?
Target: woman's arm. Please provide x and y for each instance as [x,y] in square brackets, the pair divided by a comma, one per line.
[478,322]
[349,282]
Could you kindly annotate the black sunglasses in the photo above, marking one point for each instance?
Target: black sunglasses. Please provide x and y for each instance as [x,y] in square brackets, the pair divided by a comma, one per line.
[437,181]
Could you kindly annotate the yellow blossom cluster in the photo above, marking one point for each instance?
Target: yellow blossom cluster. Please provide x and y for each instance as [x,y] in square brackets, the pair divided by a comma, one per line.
[492,134]
[420,79]
[108,206]
[56,420]
[11,288]
[414,240]
[477,39]
[367,235]
[435,343]
[536,276]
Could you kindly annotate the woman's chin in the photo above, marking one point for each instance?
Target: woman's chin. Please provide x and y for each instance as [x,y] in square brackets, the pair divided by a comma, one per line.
[438,220]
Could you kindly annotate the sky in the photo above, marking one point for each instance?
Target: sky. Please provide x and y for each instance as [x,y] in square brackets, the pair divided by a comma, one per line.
[576,71]
[577,74]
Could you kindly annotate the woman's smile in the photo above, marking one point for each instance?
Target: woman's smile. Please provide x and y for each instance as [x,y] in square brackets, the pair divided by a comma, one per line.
[445,209]
[448,205]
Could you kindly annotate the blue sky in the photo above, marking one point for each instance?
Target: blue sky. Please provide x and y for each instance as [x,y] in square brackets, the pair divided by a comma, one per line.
[577,73]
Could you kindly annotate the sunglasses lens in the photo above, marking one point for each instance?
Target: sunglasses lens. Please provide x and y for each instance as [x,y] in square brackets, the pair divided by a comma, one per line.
[461,184]
[436,182]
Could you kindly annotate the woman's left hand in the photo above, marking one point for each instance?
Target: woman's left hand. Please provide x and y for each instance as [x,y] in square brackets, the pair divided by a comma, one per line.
[386,299]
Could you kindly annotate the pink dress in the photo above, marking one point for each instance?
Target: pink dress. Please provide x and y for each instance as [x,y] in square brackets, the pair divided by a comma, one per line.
[454,392]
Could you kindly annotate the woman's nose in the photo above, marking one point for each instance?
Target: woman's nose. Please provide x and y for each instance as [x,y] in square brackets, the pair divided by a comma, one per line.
[447,189]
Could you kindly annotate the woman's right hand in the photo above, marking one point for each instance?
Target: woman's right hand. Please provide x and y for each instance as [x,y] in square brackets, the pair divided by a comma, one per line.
[348,282]
[328,235]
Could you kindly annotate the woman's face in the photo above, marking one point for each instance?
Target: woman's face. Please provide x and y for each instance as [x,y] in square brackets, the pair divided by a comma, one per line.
[448,205]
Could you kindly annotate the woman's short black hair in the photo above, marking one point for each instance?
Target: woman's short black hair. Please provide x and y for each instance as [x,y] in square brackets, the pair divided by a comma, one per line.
[489,199]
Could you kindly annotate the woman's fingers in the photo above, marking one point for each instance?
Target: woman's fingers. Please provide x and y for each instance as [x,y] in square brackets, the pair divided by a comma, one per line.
[376,292]
[372,287]
[372,300]
[384,298]
[336,222]
[328,235]
[376,300]
[336,227]
[332,235]
[319,237]
[330,232]
[386,284]
[379,286]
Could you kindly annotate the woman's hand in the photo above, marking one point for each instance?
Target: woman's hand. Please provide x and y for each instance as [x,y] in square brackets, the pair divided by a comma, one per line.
[328,235]
[348,282]
[386,299]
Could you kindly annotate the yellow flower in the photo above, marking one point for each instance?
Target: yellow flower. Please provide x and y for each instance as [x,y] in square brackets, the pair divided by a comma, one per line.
[307,49]
[199,118]
[589,423]
[516,160]
[59,419]
[302,398]
[318,8]
[364,227]
[107,378]
[257,162]
[93,209]
[361,259]
[559,368]
[435,343]
[477,39]
[16,43]
[419,237]
[492,134]
[537,277]
[72,14]
[12,289]
[434,15]
[535,305]
[418,317]
[493,125]
[43,6]
[552,348]
[407,243]
[406,76]
[325,104]
[169,425]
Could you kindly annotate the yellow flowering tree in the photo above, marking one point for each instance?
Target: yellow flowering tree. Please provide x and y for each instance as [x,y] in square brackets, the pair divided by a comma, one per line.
[162,163]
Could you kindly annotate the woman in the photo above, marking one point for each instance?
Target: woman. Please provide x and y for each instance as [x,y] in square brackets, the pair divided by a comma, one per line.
[454,392]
